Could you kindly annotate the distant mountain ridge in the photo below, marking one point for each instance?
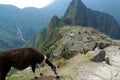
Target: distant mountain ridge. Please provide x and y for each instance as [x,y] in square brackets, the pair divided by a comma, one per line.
[78,14]
[15,27]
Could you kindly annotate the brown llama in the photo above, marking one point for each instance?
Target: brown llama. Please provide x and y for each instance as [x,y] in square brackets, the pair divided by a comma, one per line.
[20,59]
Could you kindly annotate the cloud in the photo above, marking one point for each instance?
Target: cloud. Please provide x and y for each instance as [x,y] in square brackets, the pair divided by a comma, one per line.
[27,3]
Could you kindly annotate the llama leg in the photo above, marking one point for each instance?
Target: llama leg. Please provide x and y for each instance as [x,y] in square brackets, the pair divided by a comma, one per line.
[2,77]
[4,68]
[3,74]
[40,70]
[33,69]
[4,71]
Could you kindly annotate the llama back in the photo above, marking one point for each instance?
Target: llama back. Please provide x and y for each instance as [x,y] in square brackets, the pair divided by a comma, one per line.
[23,57]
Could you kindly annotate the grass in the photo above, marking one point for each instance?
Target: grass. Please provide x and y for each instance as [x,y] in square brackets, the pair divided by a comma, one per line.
[15,77]
[22,75]
[74,64]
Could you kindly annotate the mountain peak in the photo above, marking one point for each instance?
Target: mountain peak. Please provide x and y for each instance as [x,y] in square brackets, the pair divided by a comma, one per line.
[78,4]
[54,23]
[77,0]
[55,18]
[76,7]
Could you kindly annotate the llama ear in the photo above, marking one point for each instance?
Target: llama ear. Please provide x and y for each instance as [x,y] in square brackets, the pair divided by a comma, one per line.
[58,67]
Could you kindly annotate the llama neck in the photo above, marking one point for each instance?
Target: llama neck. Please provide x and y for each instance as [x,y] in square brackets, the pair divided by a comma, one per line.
[49,63]
[54,69]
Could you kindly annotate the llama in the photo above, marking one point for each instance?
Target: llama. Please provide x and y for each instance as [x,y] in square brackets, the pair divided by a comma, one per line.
[20,59]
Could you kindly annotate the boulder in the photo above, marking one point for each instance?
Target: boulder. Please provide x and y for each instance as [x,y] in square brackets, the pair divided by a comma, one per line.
[99,56]
[103,45]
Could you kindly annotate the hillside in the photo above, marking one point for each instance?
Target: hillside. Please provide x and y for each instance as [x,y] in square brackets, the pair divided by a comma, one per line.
[16,27]
[80,68]
[70,40]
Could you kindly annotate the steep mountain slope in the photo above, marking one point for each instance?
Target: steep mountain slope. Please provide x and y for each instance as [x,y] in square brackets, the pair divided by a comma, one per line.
[78,14]
[48,36]
[15,27]
[107,6]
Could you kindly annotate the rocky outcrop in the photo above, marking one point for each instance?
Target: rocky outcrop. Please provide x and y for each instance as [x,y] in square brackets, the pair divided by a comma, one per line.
[77,39]
[67,41]
[99,56]
[101,70]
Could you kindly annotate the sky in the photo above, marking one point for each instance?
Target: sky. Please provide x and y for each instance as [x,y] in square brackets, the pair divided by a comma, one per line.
[27,3]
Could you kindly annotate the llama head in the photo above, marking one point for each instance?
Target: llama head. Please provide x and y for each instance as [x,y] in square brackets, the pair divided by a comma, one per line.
[55,70]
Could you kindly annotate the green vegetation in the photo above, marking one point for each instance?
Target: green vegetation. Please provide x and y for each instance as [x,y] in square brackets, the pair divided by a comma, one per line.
[15,78]
[54,36]
[67,55]
[45,39]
